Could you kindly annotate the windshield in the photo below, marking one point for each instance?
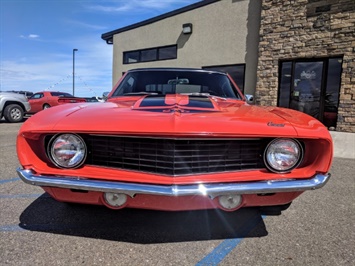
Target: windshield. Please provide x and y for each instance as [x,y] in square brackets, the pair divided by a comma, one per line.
[162,82]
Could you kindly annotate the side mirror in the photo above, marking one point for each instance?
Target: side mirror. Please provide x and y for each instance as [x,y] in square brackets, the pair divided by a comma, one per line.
[105,95]
[250,98]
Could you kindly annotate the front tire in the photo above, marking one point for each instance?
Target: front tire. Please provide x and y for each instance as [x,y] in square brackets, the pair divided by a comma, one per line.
[46,106]
[13,113]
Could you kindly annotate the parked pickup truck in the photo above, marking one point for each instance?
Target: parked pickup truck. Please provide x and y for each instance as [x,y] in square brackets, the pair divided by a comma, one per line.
[13,106]
[45,99]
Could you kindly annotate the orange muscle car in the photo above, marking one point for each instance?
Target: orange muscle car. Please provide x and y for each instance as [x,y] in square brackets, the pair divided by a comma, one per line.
[45,99]
[174,139]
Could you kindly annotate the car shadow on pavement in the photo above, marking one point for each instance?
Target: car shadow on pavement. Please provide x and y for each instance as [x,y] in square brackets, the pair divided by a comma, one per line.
[140,226]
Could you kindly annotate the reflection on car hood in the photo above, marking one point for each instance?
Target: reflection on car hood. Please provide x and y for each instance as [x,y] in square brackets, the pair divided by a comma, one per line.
[176,115]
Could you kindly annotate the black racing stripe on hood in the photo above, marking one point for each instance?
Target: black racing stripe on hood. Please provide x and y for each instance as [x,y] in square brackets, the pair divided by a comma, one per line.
[200,102]
[194,102]
[172,110]
[152,101]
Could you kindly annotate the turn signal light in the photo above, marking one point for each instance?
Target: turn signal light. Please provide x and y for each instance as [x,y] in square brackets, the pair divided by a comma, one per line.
[230,202]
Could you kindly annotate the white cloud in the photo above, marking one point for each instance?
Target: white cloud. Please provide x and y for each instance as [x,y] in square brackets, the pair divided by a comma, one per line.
[86,25]
[33,36]
[93,70]
[139,5]
[46,62]
[30,36]
[158,4]
[110,9]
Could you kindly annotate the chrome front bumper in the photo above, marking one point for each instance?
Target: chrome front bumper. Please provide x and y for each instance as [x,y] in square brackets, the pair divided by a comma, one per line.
[212,189]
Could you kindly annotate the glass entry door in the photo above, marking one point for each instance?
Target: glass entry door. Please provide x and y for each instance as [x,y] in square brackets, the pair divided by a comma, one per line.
[307,85]
[312,86]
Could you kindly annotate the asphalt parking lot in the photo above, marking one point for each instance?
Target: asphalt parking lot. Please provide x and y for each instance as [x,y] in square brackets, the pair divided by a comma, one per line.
[318,228]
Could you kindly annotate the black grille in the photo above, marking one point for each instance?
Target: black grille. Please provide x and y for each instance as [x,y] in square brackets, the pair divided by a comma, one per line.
[174,156]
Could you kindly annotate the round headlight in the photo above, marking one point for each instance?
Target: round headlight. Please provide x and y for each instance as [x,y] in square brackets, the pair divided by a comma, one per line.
[283,155]
[67,150]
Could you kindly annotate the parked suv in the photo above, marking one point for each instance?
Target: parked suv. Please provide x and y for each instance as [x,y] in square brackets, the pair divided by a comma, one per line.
[28,94]
[13,106]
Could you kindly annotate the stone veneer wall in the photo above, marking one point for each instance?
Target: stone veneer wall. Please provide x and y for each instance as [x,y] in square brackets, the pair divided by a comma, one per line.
[295,29]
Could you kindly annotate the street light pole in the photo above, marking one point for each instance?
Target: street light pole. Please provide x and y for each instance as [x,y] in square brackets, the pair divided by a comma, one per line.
[74,50]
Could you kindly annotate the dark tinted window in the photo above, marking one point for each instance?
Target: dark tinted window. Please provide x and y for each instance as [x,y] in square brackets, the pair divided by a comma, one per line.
[130,57]
[61,94]
[169,52]
[152,54]
[149,55]
[237,73]
[285,84]
[331,101]
[333,84]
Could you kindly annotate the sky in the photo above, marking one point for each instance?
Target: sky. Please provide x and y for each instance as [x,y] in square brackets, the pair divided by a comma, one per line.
[37,38]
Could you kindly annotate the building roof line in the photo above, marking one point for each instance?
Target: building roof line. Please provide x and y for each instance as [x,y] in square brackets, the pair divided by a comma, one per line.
[108,36]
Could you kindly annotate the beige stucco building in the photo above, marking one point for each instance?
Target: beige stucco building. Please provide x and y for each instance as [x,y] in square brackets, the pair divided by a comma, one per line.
[224,33]
[293,54]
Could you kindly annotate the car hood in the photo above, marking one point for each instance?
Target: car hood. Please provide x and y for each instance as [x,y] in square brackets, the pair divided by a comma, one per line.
[175,115]
[18,96]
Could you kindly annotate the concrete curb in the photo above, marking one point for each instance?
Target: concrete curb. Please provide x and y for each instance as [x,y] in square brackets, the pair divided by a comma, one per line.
[344,144]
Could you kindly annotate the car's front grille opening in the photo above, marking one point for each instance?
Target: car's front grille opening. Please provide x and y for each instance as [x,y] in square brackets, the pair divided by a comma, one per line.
[175,157]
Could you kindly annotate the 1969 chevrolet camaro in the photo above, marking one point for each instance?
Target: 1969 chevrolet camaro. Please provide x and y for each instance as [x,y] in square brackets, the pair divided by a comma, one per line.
[174,139]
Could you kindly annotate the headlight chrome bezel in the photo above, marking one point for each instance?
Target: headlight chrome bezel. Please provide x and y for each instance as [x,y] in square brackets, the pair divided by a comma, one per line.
[294,145]
[80,149]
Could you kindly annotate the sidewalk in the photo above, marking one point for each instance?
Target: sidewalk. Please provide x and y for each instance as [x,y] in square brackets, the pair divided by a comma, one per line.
[344,144]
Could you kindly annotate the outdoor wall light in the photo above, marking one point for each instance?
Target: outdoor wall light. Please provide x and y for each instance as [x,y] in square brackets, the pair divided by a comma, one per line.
[187,28]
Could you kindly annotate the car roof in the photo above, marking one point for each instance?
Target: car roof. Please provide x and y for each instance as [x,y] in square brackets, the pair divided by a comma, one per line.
[53,91]
[175,69]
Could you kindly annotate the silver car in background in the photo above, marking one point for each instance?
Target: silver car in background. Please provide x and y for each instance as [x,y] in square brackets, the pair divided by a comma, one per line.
[13,106]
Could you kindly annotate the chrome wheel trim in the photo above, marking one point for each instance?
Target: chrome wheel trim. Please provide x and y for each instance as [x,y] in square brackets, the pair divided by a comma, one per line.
[15,113]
